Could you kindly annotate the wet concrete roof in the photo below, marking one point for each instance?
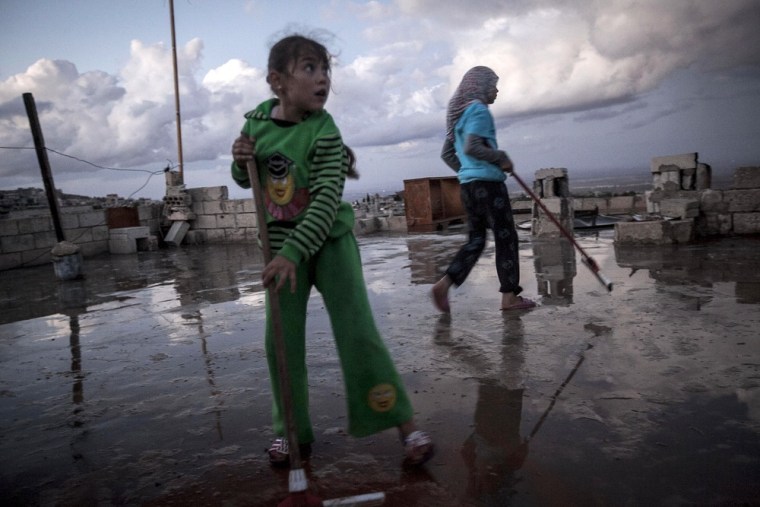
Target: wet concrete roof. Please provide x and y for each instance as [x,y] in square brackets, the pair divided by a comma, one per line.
[145,383]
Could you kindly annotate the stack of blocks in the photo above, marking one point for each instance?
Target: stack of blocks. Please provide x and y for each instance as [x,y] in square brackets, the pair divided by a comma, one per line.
[689,208]
[553,188]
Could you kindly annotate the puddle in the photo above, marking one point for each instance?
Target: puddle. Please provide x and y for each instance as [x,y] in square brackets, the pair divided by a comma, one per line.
[145,383]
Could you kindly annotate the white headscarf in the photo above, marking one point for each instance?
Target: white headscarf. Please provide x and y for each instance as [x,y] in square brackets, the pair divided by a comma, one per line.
[475,85]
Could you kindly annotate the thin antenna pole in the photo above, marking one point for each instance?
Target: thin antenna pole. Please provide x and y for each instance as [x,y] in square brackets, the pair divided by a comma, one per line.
[176,94]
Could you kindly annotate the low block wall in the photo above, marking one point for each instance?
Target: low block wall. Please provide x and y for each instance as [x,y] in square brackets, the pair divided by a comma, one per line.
[27,237]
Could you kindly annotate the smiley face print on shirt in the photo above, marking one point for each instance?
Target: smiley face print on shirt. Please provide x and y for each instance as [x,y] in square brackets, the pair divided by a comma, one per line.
[283,200]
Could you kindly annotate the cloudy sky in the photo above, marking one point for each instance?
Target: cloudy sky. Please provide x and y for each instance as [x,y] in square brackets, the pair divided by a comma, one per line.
[588,85]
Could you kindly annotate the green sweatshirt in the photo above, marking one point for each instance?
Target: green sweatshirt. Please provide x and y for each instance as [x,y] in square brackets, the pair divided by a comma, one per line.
[303,168]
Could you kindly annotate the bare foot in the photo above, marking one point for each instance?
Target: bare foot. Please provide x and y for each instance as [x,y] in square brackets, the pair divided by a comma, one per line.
[440,294]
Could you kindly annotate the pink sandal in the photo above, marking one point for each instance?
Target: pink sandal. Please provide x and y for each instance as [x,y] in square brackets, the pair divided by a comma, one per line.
[523,304]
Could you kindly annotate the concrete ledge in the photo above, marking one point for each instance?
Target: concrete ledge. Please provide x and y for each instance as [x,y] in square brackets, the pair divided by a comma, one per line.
[747,223]
[124,239]
[655,232]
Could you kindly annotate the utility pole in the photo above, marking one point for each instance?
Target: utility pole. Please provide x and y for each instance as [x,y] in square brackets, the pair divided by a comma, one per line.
[47,176]
[176,94]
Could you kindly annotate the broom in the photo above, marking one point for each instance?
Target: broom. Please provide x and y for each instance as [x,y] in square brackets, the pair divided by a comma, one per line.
[298,486]
[585,258]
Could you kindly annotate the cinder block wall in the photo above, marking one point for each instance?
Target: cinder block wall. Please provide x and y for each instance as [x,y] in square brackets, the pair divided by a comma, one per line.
[219,219]
[222,220]
[732,211]
[27,237]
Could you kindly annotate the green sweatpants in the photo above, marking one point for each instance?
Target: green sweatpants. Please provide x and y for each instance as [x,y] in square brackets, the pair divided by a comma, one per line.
[376,397]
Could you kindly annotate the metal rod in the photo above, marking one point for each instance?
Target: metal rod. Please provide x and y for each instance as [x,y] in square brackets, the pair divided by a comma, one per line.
[176,95]
[42,158]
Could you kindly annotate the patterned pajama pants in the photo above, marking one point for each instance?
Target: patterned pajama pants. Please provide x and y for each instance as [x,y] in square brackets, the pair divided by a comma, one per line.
[487,205]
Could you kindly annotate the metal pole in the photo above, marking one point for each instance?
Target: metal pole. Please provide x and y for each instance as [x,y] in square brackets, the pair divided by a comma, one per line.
[47,176]
[176,95]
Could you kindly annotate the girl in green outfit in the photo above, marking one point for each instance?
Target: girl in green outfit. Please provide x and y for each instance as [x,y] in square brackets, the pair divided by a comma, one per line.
[303,165]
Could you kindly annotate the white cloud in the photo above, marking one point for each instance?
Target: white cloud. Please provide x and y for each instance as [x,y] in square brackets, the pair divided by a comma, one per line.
[551,56]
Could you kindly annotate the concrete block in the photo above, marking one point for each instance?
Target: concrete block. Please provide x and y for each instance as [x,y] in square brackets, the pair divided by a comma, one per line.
[208,193]
[69,221]
[149,244]
[92,218]
[552,172]
[123,240]
[215,235]
[747,223]
[653,203]
[10,260]
[670,181]
[226,221]
[656,232]
[232,206]
[234,235]
[688,179]
[397,224]
[33,225]
[656,181]
[149,212]
[246,220]
[176,233]
[703,178]
[711,201]
[82,235]
[713,224]
[682,161]
[553,204]
[365,226]
[8,227]
[45,239]
[681,231]
[100,233]
[241,205]
[36,257]
[252,235]
[197,207]
[205,222]
[173,178]
[679,208]
[213,208]
[742,201]
[195,237]
[129,232]
[621,204]
[122,245]
[181,215]
[747,177]
[19,243]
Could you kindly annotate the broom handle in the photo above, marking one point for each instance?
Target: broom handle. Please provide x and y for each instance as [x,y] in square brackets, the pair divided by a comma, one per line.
[586,259]
[274,305]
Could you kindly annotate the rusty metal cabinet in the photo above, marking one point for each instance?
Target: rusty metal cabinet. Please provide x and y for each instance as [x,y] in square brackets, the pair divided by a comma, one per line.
[432,204]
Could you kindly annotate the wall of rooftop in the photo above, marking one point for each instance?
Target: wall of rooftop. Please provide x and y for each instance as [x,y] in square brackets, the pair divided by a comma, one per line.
[685,207]
[28,236]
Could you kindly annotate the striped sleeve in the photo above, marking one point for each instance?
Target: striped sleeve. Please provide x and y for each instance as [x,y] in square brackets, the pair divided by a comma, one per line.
[326,179]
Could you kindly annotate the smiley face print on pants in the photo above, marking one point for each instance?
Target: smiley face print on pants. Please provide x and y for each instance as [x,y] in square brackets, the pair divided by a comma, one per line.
[382,397]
